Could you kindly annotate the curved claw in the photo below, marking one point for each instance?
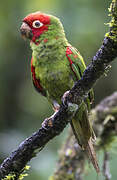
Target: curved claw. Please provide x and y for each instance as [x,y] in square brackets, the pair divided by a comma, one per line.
[64,97]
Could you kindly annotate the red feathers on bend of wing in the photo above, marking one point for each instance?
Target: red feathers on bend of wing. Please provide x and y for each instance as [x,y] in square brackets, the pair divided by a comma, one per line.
[69,52]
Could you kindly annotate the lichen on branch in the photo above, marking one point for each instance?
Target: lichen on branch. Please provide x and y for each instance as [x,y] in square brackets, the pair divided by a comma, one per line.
[113,23]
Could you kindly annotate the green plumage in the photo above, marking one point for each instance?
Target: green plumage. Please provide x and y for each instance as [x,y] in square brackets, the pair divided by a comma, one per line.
[56,76]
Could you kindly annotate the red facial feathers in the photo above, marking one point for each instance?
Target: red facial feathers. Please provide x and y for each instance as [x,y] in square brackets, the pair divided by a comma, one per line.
[43,18]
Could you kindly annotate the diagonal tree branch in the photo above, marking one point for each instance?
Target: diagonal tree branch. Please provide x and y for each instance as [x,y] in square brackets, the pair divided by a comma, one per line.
[55,125]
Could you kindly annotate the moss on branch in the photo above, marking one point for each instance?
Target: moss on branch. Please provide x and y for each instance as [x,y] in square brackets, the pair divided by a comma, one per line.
[113,23]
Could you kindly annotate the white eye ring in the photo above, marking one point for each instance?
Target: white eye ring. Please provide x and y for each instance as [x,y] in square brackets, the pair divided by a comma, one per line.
[37,24]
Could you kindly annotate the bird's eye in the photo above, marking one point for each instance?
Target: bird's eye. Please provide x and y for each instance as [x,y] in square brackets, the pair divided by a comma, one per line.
[37,24]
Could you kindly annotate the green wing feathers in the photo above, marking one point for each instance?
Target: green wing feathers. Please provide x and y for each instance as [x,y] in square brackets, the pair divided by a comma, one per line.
[78,67]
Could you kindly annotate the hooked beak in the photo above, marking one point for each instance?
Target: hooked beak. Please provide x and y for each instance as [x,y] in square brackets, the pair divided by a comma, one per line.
[26,31]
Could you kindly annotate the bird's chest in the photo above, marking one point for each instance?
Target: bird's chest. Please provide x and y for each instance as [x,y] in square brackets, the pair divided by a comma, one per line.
[55,78]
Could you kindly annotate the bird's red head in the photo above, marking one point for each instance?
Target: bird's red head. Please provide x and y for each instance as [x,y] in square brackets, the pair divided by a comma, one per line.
[34,25]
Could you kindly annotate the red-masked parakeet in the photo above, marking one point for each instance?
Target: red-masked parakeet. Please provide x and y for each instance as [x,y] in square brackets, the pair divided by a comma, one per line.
[55,66]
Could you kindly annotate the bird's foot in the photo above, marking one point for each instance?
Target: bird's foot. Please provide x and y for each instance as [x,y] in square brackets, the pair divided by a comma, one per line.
[48,122]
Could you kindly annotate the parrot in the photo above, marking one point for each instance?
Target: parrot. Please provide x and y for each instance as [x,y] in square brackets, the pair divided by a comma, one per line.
[55,67]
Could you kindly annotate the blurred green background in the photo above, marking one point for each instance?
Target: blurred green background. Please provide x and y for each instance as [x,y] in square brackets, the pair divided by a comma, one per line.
[22,109]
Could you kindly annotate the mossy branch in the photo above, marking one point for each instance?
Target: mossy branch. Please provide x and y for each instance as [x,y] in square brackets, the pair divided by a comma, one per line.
[55,125]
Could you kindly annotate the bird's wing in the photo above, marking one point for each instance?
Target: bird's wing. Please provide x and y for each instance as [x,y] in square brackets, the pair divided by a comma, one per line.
[76,61]
[78,67]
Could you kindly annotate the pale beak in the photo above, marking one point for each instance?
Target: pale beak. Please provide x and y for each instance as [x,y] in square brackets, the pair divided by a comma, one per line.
[26,31]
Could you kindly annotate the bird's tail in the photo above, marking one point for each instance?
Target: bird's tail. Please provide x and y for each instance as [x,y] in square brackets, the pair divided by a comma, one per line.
[92,155]
[84,134]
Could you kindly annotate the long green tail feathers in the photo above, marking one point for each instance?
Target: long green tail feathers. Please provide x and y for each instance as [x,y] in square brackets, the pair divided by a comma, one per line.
[85,135]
